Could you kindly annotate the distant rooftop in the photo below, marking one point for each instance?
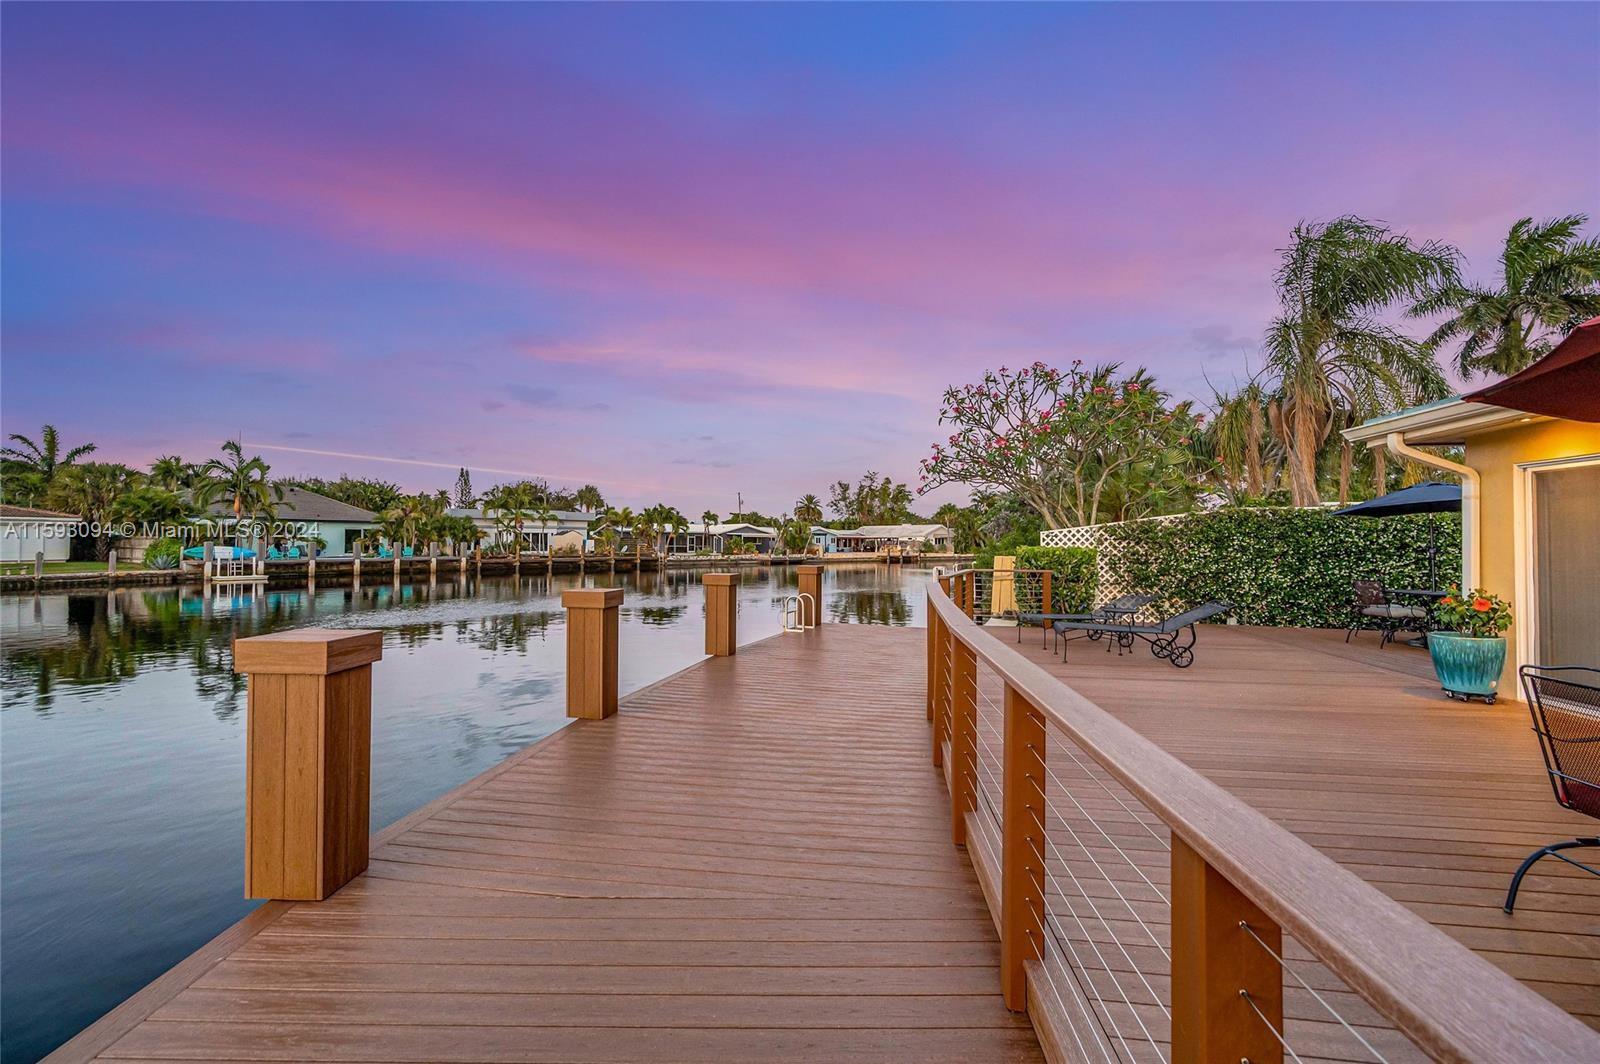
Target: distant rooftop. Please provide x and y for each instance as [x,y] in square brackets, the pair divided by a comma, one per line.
[43,515]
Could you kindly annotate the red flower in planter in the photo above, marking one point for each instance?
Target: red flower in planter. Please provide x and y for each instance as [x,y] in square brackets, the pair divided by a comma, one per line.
[1482,605]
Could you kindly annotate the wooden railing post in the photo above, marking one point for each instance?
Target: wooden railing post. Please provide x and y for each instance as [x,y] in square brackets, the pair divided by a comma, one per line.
[963,737]
[1047,603]
[1022,848]
[1215,964]
[592,651]
[810,579]
[308,761]
[970,596]
[941,695]
[933,656]
[722,613]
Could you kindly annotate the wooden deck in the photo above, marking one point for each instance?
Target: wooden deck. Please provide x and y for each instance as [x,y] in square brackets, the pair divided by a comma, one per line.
[1355,750]
[752,861]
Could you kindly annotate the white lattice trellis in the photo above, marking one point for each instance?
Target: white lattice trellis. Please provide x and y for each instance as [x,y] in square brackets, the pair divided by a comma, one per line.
[1108,559]
[1107,556]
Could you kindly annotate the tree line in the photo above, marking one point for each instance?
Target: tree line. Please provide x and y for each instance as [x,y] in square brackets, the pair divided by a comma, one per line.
[1048,446]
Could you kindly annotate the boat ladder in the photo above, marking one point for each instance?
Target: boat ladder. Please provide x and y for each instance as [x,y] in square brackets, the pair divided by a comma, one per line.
[796,609]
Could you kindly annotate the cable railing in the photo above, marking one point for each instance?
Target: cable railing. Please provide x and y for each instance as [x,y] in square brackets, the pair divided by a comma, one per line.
[1145,914]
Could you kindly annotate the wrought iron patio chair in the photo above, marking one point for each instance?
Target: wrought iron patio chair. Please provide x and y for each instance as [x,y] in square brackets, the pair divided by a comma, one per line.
[1374,608]
[1564,701]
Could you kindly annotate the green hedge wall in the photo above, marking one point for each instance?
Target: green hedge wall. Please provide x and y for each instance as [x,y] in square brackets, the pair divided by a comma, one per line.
[1287,567]
[1074,575]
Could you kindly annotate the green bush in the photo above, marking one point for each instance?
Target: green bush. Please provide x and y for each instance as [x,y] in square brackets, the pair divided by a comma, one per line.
[163,554]
[1074,575]
[1009,544]
[1285,567]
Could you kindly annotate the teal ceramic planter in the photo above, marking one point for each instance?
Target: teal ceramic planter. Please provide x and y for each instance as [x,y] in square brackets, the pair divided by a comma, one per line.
[1468,666]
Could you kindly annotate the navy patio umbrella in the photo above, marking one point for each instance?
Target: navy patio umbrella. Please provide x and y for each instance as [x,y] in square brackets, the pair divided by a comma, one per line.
[1429,497]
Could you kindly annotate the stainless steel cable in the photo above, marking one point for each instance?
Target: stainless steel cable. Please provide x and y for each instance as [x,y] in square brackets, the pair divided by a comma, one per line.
[1090,817]
[1285,965]
[1287,1048]
[1105,964]
[1103,875]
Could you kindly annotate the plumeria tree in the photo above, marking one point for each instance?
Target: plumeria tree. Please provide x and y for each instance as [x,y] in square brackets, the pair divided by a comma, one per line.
[1066,442]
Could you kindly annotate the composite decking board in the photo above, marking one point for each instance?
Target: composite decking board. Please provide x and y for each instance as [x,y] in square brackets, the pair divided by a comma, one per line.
[1354,749]
[751,861]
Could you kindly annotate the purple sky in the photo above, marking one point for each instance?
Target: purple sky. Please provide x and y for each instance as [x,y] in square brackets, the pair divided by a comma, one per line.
[686,251]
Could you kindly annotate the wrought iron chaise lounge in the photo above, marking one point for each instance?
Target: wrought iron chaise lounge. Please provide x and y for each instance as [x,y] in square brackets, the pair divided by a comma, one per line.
[1565,703]
[1123,608]
[1162,636]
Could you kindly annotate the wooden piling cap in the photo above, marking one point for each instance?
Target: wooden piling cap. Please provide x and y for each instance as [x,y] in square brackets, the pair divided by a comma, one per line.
[591,598]
[720,579]
[307,651]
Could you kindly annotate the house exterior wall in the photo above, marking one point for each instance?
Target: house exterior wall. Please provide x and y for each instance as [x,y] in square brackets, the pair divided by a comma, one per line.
[21,539]
[337,533]
[1504,527]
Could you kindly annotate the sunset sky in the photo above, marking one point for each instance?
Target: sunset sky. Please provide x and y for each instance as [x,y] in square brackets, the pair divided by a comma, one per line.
[686,251]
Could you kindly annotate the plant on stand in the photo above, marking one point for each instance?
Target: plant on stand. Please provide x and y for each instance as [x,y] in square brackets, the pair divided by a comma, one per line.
[1469,647]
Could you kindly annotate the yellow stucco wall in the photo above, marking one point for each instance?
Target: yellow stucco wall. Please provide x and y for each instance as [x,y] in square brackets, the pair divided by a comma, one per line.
[1495,455]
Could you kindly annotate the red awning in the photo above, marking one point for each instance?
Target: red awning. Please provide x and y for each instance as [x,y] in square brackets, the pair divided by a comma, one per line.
[1565,383]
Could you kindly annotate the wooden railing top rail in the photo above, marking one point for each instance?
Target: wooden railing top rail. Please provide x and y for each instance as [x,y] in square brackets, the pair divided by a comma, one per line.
[1452,1003]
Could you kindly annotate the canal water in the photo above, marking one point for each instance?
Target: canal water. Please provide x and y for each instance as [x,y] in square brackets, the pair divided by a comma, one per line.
[122,731]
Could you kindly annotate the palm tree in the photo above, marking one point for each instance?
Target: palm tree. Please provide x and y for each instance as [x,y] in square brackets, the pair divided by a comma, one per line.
[621,521]
[606,541]
[793,534]
[674,523]
[644,526]
[509,501]
[707,519]
[546,517]
[1328,348]
[589,498]
[240,482]
[39,462]
[171,473]
[808,509]
[1238,439]
[93,491]
[1549,283]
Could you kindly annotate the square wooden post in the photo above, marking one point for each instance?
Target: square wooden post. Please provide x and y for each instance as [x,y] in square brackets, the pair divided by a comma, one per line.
[1022,848]
[308,760]
[1215,962]
[722,613]
[810,584]
[592,651]
[963,738]
[1046,602]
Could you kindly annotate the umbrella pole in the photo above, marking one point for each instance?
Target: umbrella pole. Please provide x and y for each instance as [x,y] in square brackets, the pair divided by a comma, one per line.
[1433,551]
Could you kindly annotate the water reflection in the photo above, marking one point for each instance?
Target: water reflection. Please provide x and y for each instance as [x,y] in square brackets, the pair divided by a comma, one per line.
[122,742]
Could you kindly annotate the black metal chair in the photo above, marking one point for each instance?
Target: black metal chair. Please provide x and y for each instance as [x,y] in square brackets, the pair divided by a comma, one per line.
[1123,607]
[1565,703]
[1373,607]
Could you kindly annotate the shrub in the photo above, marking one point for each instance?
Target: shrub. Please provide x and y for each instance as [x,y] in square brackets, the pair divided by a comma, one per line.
[1074,575]
[1289,567]
[163,554]
[1475,612]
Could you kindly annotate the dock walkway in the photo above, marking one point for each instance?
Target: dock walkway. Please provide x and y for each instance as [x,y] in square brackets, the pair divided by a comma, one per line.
[751,861]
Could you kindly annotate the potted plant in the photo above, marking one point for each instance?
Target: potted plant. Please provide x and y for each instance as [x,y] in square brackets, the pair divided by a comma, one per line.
[1469,649]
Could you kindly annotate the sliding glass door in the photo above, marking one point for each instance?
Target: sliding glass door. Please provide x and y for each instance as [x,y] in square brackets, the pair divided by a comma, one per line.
[1566,565]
